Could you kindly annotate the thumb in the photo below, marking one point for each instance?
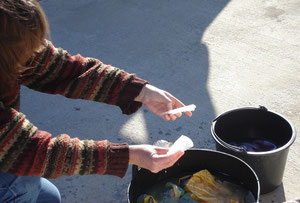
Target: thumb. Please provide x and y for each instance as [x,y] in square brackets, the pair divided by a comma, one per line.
[174,156]
[161,150]
[169,105]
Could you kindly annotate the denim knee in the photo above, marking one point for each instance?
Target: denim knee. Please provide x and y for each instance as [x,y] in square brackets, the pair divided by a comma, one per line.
[48,193]
[19,188]
[16,189]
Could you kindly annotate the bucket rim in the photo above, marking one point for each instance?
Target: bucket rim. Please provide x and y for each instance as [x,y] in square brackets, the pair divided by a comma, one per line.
[218,152]
[220,141]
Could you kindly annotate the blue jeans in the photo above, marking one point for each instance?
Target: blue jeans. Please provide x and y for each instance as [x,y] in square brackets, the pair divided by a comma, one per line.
[27,189]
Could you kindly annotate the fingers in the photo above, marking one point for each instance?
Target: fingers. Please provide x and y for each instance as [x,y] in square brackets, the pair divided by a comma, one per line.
[172,117]
[188,113]
[178,115]
[176,103]
[169,117]
[166,117]
[161,150]
[159,101]
[169,107]
[176,155]
[166,160]
[153,158]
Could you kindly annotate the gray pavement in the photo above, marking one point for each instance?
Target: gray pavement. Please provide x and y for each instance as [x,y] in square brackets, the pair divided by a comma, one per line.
[217,54]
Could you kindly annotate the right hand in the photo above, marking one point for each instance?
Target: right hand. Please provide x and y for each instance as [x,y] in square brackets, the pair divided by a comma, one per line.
[159,101]
[152,157]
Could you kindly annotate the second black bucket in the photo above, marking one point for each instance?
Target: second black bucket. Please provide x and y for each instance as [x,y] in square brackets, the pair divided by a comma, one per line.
[191,162]
[258,123]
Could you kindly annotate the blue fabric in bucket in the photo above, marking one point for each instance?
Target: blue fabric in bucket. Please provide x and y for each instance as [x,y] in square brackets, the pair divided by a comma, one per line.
[254,145]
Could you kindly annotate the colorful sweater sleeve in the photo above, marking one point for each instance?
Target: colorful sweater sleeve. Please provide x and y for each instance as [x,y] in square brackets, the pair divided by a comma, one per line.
[25,150]
[55,71]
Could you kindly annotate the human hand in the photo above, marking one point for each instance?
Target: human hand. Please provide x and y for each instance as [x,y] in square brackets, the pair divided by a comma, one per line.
[159,101]
[152,157]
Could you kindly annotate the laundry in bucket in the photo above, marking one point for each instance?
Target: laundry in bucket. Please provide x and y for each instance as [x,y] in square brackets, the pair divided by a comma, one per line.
[198,187]
[254,145]
[174,191]
[204,187]
[167,191]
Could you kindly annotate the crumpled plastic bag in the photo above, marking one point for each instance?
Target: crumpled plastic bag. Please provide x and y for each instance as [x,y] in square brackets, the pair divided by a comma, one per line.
[144,198]
[204,187]
[168,192]
[174,191]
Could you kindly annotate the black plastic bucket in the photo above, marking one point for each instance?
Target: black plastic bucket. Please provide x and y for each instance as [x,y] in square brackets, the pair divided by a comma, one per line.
[256,123]
[193,161]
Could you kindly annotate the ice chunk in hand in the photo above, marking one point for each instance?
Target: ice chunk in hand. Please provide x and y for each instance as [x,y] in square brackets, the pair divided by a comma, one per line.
[182,143]
[191,107]
[162,143]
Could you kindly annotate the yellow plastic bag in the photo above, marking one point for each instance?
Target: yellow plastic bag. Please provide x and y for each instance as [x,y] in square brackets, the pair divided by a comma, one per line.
[204,187]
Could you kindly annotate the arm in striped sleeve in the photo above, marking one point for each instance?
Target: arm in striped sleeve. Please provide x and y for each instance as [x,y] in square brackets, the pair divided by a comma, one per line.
[25,150]
[55,71]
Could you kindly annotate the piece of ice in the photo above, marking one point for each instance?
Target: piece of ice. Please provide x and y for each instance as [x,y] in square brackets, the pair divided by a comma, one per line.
[182,143]
[162,143]
[191,107]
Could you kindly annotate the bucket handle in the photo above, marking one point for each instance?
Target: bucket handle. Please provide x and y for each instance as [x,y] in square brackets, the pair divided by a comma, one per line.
[260,107]
[263,108]
[135,170]
[232,147]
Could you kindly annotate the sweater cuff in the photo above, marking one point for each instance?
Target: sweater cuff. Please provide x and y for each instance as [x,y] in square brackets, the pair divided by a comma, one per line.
[117,160]
[131,90]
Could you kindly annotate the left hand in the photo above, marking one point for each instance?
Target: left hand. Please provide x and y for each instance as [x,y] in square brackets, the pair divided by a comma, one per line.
[152,157]
[159,101]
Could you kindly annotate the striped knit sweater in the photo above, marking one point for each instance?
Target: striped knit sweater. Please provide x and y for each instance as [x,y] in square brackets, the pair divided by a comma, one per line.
[25,150]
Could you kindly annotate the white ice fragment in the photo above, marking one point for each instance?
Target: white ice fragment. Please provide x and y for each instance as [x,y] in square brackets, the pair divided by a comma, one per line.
[182,143]
[162,143]
[191,107]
